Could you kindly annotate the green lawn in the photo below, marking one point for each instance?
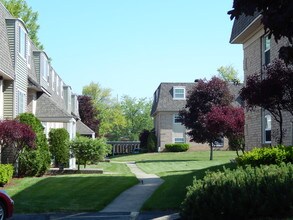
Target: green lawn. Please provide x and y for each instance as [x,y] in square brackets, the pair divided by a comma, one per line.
[178,171]
[70,193]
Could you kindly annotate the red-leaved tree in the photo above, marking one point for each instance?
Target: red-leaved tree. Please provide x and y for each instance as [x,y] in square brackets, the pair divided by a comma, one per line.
[271,90]
[14,136]
[227,121]
[200,101]
[88,113]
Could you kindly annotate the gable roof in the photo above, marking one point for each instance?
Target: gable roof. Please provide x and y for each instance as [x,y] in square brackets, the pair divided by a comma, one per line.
[163,100]
[83,129]
[243,26]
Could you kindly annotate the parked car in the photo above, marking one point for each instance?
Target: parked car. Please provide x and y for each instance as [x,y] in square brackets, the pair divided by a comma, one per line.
[6,205]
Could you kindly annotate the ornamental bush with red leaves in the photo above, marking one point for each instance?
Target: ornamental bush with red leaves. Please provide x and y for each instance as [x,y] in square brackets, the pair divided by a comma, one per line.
[16,136]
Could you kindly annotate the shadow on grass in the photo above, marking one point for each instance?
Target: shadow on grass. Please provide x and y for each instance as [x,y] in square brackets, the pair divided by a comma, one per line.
[164,161]
[171,193]
[69,193]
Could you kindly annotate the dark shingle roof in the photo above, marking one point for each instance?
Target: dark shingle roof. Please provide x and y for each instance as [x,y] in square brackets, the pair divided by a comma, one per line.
[165,102]
[82,129]
[47,108]
[241,24]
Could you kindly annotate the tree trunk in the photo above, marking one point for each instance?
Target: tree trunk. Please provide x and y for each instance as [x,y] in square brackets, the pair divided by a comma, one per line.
[211,153]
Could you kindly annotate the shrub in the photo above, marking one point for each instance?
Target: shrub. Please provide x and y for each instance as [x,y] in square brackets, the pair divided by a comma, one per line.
[266,155]
[244,193]
[152,142]
[59,146]
[179,147]
[6,173]
[89,150]
[34,162]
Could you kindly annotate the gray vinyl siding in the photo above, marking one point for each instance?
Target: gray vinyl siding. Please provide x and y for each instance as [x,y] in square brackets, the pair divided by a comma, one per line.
[8,99]
[36,58]
[10,25]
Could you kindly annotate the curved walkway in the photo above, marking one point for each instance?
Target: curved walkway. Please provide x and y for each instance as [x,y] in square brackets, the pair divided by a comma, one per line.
[133,198]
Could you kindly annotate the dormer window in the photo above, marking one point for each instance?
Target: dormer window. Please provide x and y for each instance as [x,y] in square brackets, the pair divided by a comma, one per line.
[45,68]
[179,92]
[22,43]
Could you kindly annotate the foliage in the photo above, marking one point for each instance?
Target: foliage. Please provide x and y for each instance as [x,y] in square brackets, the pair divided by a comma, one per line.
[152,142]
[59,146]
[89,150]
[178,147]
[274,92]
[200,101]
[227,121]
[88,113]
[109,112]
[20,9]
[228,74]
[267,155]
[6,173]
[14,136]
[143,138]
[244,193]
[276,17]
[137,115]
[34,162]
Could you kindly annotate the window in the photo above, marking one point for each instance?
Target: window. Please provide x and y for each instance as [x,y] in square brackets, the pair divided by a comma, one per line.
[178,93]
[179,140]
[267,48]
[267,128]
[176,119]
[53,79]
[22,43]
[57,84]
[45,68]
[20,102]
[61,88]
[29,55]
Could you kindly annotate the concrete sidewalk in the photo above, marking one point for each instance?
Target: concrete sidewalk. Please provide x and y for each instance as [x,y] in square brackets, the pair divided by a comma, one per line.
[133,198]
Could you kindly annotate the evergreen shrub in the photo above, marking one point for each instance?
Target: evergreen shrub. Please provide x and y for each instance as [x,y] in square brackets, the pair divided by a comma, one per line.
[178,147]
[263,192]
[6,173]
[59,146]
[267,155]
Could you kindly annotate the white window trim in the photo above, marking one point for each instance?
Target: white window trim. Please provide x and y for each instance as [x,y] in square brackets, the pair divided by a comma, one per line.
[53,79]
[61,89]
[24,102]
[45,65]
[174,94]
[29,57]
[57,84]
[174,119]
[266,129]
[21,53]
[179,142]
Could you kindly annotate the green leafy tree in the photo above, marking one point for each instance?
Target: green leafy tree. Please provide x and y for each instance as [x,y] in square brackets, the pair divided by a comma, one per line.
[20,9]
[109,112]
[89,150]
[34,162]
[228,74]
[59,146]
[137,114]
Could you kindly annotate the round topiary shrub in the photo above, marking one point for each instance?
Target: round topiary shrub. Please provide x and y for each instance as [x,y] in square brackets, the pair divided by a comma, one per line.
[244,193]
[179,147]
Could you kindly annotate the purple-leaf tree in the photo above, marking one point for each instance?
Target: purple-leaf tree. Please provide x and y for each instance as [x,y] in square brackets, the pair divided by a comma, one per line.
[277,18]
[14,136]
[272,91]
[88,113]
[200,101]
[227,121]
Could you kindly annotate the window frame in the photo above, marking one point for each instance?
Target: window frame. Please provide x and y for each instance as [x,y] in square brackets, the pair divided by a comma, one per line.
[20,96]
[266,50]
[175,94]
[175,117]
[267,125]
[179,142]
[22,38]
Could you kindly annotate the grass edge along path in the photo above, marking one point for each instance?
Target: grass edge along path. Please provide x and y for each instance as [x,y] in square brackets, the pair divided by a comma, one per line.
[178,171]
[69,193]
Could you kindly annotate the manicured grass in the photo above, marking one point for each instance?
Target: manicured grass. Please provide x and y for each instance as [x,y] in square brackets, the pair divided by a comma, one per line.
[70,193]
[178,170]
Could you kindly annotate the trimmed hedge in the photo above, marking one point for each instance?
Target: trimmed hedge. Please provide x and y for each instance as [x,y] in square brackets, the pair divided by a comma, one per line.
[244,193]
[6,173]
[176,147]
[266,156]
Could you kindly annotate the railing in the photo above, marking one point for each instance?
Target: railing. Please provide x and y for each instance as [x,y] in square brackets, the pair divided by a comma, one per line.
[123,147]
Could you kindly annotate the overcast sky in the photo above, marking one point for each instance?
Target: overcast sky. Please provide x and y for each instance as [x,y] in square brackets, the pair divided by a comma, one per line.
[132,46]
